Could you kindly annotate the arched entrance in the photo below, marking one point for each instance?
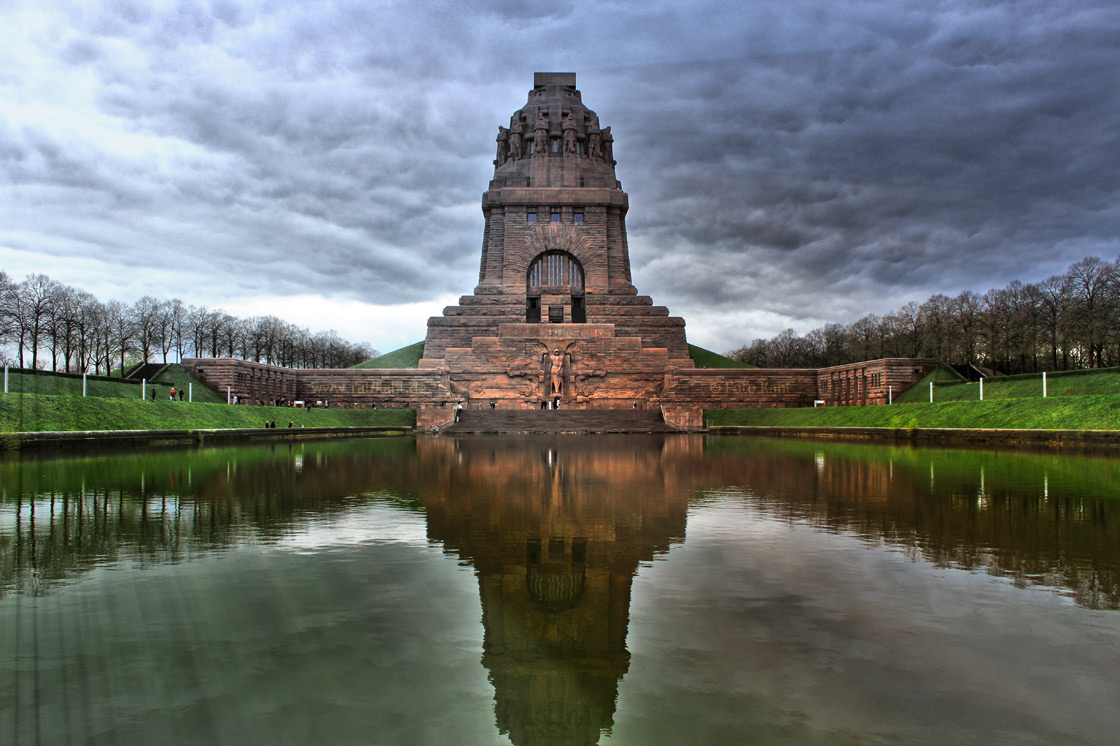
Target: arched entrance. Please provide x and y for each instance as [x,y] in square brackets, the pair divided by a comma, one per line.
[555,276]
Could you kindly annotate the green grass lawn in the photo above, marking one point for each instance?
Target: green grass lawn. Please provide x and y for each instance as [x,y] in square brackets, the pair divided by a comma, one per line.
[39,412]
[1100,412]
[405,357]
[708,359]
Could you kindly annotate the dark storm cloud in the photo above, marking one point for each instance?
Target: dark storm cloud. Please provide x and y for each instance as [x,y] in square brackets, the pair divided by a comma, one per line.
[788,163]
[968,146]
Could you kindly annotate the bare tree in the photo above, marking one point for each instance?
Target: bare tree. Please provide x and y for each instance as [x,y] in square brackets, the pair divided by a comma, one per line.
[7,306]
[121,333]
[34,297]
[145,316]
[1092,285]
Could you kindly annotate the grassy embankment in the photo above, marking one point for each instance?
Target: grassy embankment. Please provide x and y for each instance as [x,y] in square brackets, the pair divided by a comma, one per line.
[39,402]
[1087,400]
[405,357]
[949,386]
[62,384]
[36,412]
[708,359]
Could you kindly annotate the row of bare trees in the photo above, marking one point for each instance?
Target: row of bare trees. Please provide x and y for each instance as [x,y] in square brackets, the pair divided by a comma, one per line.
[46,324]
[1066,321]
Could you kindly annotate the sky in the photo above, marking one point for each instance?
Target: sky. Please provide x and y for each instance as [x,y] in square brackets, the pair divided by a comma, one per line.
[789,163]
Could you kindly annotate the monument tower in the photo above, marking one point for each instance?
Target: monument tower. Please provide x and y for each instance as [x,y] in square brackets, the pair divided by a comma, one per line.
[554,317]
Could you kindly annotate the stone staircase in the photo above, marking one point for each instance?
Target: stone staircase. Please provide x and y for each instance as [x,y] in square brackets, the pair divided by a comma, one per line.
[559,421]
[145,371]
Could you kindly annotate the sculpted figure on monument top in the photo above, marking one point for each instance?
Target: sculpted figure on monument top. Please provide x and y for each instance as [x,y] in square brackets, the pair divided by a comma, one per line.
[594,138]
[608,146]
[540,134]
[569,128]
[503,146]
[516,127]
[594,144]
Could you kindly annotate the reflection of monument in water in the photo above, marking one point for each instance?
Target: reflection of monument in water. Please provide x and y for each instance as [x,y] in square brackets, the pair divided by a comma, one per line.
[555,545]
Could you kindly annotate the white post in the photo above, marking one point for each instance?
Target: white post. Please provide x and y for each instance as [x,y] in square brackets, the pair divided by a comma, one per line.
[890,394]
[229,395]
[1043,384]
[931,392]
[83,385]
[981,389]
[143,388]
[190,392]
[5,379]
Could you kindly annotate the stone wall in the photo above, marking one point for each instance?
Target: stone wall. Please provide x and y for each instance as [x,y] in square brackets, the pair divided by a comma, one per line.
[598,370]
[256,383]
[244,381]
[871,382]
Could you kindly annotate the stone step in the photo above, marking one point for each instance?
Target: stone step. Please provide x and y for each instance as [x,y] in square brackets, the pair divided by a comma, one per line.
[559,421]
[145,371]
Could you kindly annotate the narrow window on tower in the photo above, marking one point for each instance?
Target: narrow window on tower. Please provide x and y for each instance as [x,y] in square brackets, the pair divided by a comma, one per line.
[577,218]
[556,217]
[532,217]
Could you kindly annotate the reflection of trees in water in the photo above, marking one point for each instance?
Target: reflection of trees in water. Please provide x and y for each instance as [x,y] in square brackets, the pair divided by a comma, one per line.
[61,516]
[1038,519]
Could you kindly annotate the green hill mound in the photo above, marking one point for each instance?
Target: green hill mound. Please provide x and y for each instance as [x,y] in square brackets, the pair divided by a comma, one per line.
[919,392]
[405,357]
[708,359]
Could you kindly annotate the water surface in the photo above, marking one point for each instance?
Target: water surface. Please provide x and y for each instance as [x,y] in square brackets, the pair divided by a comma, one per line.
[560,590]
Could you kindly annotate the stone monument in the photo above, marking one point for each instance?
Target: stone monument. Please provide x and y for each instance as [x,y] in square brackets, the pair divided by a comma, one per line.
[555,317]
[555,320]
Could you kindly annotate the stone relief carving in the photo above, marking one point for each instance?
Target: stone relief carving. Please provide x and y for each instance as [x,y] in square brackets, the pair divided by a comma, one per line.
[556,372]
[556,367]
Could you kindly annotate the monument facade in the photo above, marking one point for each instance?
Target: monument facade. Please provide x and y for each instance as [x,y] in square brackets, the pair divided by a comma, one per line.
[555,320]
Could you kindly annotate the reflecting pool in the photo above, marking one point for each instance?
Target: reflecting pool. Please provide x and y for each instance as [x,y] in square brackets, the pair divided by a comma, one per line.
[560,590]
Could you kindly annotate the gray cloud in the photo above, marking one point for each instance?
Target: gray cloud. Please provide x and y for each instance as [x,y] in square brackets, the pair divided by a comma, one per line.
[788,163]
